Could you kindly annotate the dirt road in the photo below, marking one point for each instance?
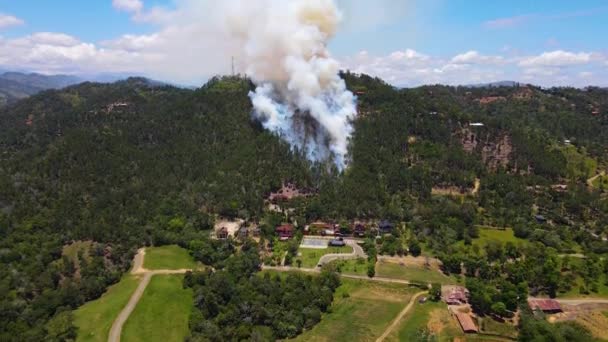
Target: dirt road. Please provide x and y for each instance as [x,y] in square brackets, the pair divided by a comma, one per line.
[138,268]
[349,276]
[402,314]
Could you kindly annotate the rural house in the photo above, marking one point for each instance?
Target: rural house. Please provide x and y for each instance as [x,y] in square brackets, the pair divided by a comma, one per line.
[285,231]
[548,306]
[466,322]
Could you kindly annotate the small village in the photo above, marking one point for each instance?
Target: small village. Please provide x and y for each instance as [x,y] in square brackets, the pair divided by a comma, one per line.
[320,243]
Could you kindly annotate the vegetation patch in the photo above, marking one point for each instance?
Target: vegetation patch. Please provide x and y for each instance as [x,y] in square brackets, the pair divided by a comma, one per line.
[162,312]
[412,273]
[310,256]
[170,257]
[353,267]
[427,321]
[361,311]
[94,319]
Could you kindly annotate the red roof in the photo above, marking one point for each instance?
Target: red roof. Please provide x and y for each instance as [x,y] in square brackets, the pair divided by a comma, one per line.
[466,322]
[285,228]
[544,304]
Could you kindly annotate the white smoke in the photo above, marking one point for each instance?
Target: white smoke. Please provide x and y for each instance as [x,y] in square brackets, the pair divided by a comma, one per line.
[299,95]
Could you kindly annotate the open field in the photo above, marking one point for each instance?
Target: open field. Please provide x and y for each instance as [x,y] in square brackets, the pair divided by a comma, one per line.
[430,318]
[310,256]
[170,257]
[596,322]
[353,266]
[412,273]
[162,313]
[95,318]
[360,312]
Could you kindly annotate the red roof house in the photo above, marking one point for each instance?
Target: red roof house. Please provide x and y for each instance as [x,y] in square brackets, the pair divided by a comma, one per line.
[285,231]
[457,295]
[545,305]
[466,322]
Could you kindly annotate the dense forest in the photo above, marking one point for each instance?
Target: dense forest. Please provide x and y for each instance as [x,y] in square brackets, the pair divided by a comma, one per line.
[133,163]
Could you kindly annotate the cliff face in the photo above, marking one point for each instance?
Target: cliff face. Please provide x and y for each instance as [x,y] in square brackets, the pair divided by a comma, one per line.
[495,150]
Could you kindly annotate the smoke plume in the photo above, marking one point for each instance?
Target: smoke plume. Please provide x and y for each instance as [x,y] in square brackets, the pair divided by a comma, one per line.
[299,94]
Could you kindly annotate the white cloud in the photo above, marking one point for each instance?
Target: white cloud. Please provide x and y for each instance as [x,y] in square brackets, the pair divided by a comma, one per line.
[474,57]
[557,58]
[585,74]
[9,21]
[508,22]
[131,6]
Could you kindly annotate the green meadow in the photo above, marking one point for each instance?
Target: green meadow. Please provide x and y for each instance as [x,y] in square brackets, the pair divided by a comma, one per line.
[94,319]
[170,257]
[162,313]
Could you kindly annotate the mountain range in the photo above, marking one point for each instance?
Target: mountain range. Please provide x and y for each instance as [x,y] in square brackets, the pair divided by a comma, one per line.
[16,85]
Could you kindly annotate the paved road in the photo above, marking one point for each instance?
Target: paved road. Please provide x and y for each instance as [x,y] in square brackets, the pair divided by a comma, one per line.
[402,314]
[138,262]
[357,253]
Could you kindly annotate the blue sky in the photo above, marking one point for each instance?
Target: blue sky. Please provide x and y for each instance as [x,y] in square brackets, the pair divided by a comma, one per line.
[406,42]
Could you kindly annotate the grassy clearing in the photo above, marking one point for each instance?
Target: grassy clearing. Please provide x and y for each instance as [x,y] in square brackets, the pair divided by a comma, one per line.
[162,313]
[170,257]
[354,267]
[486,234]
[430,318]
[94,319]
[490,326]
[310,256]
[412,273]
[360,312]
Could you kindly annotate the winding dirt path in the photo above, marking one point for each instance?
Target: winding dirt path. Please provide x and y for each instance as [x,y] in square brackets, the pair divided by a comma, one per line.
[138,269]
[402,314]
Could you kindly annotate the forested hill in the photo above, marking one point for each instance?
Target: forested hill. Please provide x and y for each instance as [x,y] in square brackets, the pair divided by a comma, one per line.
[15,86]
[131,163]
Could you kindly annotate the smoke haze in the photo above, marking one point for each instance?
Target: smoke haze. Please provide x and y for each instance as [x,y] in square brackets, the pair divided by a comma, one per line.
[283,49]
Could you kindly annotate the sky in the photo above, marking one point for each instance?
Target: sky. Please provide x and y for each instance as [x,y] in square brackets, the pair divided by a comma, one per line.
[405,42]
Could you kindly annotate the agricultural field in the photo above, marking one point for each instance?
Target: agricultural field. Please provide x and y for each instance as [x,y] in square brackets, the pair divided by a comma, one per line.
[95,318]
[310,256]
[162,313]
[412,273]
[170,257]
[361,311]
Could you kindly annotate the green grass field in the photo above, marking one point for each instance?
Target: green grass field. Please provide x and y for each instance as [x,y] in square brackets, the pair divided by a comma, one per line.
[170,257]
[490,326]
[94,319]
[162,313]
[363,314]
[412,273]
[431,318]
[310,256]
[354,266]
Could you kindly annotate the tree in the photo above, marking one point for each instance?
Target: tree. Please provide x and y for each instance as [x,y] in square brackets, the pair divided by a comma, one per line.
[499,308]
[371,270]
[61,327]
[414,248]
[435,292]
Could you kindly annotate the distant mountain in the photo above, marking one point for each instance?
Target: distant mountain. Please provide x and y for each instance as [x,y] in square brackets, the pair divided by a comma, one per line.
[495,84]
[16,85]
